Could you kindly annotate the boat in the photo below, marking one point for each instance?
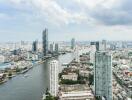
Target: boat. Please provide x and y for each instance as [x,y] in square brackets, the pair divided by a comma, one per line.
[26,75]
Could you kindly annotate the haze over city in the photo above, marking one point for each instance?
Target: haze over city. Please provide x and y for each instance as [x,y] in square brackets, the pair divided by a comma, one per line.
[83,19]
[65,50]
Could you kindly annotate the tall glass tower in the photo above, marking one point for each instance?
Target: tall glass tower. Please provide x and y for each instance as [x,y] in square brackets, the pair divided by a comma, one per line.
[35,46]
[103,75]
[45,42]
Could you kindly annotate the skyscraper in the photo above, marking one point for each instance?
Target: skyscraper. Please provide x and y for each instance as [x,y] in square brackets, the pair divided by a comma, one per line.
[56,48]
[54,64]
[96,44]
[45,42]
[35,46]
[104,44]
[76,53]
[72,43]
[51,47]
[103,75]
[92,53]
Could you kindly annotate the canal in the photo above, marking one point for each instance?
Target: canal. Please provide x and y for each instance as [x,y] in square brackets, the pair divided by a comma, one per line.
[31,85]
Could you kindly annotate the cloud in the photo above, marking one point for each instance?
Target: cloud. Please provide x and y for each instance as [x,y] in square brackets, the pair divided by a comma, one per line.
[67,16]
[106,12]
[51,11]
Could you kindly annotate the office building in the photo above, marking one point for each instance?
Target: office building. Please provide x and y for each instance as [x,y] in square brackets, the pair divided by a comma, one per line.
[97,44]
[56,48]
[45,42]
[104,42]
[54,66]
[35,46]
[51,47]
[103,75]
[76,53]
[92,53]
[103,45]
[73,43]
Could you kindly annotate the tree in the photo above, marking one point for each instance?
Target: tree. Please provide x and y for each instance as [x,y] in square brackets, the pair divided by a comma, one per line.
[49,96]
[98,98]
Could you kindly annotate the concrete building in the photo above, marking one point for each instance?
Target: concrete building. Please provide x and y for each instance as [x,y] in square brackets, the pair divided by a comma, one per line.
[92,53]
[45,42]
[102,45]
[96,44]
[73,43]
[54,67]
[76,54]
[35,46]
[75,92]
[103,75]
[77,95]
[70,76]
[56,48]
[51,47]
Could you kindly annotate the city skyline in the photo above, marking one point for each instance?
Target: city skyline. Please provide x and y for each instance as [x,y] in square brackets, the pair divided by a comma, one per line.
[65,49]
[81,19]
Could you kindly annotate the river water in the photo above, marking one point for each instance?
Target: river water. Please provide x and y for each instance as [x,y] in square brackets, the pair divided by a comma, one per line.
[31,85]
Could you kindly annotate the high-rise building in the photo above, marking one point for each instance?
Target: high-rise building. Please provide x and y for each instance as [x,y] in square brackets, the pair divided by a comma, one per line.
[54,66]
[73,43]
[76,53]
[45,42]
[104,42]
[56,48]
[103,45]
[51,47]
[35,46]
[103,75]
[96,44]
[92,53]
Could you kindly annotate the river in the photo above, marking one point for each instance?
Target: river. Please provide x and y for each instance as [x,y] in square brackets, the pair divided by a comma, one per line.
[34,85]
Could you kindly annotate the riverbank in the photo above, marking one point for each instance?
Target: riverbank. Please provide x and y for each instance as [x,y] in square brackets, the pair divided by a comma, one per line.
[9,73]
[31,85]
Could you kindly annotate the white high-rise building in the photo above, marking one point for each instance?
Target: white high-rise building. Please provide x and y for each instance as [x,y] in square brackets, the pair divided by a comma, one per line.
[76,53]
[54,66]
[103,75]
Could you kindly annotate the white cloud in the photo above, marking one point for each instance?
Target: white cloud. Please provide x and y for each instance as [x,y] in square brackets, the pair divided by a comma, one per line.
[79,16]
[51,11]
[91,4]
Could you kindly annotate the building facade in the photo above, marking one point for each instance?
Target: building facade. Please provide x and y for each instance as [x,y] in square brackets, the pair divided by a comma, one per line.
[103,75]
[96,44]
[35,46]
[52,47]
[72,43]
[54,67]
[45,42]
[56,48]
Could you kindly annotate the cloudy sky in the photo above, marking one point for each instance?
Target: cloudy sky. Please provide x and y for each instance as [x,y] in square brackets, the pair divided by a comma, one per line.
[82,19]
